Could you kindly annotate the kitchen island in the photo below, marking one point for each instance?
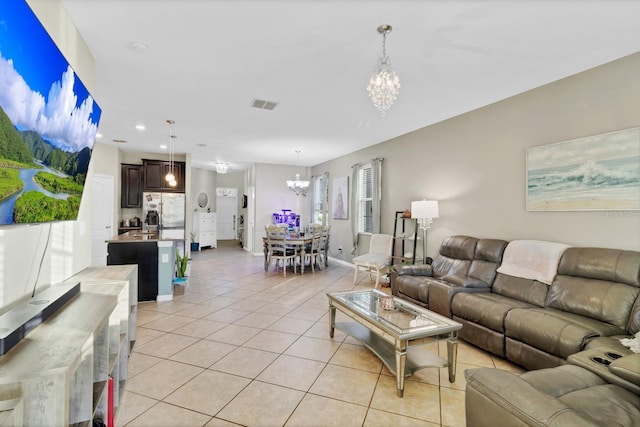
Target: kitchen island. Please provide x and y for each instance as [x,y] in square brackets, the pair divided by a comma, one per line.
[154,253]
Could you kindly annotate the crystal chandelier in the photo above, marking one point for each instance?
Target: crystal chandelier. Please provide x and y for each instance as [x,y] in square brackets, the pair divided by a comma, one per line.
[170,177]
[297,185]
[384,84]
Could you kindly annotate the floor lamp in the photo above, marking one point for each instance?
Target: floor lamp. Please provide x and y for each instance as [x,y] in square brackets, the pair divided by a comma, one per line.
[424,211]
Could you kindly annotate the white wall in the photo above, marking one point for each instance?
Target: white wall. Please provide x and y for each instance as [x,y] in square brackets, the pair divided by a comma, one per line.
[474,164]
[203,181]
[35,256]
[272,195]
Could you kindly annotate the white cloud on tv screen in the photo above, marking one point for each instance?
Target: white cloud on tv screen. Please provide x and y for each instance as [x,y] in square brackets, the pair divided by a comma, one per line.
[57,119]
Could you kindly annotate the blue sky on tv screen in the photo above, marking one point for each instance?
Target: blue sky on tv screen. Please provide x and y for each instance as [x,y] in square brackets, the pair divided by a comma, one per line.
[38,89]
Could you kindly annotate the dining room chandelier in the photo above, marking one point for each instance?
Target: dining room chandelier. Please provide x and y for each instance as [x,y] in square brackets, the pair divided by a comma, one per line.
[297,185]
[384,84]
[170,176]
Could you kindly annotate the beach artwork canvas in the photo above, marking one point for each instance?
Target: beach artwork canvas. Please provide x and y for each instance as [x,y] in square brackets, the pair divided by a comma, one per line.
[600,172]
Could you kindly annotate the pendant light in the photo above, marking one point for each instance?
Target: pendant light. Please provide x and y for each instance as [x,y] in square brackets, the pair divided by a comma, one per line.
[384,84]
[170,177]
[297,185]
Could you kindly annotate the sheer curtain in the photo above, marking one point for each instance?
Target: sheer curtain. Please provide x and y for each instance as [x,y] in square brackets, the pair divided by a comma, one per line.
[319,200]
[355,202]
[376,193]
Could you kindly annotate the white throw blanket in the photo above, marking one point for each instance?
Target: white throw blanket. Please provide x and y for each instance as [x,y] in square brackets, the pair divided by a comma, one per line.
[532,259]
[632,343]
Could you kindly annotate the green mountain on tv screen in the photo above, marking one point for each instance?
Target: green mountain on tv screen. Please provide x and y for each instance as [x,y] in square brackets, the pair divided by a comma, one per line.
[58,175]
[12,147]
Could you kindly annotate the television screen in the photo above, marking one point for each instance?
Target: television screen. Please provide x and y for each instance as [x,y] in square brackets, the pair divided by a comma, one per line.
[48,123]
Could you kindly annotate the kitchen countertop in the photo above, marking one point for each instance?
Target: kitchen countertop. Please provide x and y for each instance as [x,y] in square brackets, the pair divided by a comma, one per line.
[148,236]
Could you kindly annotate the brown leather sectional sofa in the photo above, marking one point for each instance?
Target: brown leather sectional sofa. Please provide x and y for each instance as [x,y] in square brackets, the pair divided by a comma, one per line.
[576,318]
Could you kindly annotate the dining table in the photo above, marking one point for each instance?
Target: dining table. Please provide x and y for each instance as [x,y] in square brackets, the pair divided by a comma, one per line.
[291,239]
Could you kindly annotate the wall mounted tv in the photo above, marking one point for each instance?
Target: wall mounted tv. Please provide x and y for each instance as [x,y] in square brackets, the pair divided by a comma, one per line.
[48,123]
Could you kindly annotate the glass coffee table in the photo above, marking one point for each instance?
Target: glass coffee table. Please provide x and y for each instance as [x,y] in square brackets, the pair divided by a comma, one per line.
[394,330]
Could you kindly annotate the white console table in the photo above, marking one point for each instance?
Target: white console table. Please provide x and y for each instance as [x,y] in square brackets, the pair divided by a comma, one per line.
[58,374]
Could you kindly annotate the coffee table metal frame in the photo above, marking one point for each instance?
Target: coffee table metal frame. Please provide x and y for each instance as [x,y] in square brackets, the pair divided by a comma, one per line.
[397,345]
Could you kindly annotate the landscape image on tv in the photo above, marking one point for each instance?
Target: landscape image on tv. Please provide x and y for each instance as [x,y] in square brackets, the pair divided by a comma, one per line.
[48,123]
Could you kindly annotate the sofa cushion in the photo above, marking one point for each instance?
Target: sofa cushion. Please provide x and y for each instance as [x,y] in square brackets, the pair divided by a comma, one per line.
[415,287]
[465,281]
[413,269]
[486,259]
[527,290]
[486,309]
[454,256]
[561,396]
[579,389]
[633,326]
[458,247]
[610,302]
[606,404]
[611,265]
[554,331]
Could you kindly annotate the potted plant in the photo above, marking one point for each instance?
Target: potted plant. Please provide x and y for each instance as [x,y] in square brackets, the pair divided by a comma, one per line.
[180,282]
[195,246]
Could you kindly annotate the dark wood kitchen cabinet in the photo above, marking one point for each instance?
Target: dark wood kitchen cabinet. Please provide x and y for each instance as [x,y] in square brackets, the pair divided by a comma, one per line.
[145,255]
[154,172]
[131,189]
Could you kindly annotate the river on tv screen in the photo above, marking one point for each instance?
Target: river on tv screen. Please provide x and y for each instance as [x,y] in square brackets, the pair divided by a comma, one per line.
[48,123]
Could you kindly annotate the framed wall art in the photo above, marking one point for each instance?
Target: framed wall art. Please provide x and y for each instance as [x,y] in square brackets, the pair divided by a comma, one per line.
[600,172]
[341,198]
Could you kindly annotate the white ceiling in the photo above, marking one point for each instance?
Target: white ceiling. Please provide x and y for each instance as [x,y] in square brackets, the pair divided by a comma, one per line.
[202,63]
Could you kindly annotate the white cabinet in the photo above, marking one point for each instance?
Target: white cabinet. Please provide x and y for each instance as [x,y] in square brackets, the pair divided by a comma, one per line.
[72,368]
[205,229]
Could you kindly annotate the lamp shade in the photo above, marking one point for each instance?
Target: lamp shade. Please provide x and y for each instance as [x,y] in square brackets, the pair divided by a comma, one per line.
[425,209]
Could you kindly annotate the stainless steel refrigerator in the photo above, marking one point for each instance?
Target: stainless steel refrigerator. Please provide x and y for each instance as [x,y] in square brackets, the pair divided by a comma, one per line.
[169,206]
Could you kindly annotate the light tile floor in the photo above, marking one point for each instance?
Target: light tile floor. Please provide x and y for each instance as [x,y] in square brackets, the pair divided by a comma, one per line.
[245,347]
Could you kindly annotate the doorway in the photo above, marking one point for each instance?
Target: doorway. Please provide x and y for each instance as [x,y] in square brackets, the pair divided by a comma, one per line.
[102,219]
[226,213]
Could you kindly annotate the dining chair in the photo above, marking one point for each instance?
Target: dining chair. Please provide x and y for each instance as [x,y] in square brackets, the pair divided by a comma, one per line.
[277,248]
[378,257]
[314,250]
[324,246]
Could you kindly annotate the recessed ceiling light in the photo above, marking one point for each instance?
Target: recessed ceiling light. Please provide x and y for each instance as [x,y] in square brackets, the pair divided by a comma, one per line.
[163,146]
[140,127]
[201,145]
[138,47]
[98,135]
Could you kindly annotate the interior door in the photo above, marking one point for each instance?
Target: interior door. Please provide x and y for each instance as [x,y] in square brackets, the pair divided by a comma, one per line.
[102,193]
[226,214]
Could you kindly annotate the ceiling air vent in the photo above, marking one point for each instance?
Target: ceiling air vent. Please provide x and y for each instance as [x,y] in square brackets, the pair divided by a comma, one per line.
[263,105]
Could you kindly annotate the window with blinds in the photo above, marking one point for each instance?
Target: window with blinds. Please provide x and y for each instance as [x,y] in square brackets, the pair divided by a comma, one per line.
[365,193]
[319,200]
